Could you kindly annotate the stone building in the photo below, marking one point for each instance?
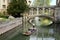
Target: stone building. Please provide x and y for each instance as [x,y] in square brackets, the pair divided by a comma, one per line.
[53,9]
[3,5]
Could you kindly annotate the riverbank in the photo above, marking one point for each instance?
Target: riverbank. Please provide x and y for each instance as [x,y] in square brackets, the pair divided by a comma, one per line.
[10,25]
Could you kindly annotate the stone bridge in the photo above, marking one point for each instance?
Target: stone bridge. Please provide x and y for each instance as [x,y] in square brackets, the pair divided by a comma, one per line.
[46,16]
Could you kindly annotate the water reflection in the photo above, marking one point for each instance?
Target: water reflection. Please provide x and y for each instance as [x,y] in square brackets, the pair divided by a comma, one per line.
[37,23]
[44,33]
[51,32]
[41,21]
[33,38]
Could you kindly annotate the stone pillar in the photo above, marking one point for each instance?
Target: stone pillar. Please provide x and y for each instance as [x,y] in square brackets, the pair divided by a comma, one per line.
[49,11]
[32,11]
[37,11]
[43,11]
[58,2]
[57,13]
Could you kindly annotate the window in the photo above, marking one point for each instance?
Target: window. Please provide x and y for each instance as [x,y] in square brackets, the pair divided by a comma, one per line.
[4,6]
[9,1]
[4,1]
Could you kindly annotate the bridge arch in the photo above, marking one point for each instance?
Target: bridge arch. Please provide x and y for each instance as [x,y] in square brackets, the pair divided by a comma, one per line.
[44,16]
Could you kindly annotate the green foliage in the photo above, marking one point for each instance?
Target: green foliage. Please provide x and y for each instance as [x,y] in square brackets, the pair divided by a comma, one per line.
[16,7]
[48,2]
[3,16]
[41,2]
[38,2]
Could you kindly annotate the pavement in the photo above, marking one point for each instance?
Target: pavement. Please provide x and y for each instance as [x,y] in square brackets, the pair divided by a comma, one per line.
[8,25]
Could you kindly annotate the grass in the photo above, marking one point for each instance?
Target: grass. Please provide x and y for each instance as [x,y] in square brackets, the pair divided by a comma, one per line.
[3,19]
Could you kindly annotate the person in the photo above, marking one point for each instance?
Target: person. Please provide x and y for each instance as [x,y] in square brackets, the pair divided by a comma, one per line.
[32,29]
[27,32]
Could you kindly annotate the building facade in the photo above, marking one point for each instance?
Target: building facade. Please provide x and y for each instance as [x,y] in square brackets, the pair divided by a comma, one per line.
[3,5]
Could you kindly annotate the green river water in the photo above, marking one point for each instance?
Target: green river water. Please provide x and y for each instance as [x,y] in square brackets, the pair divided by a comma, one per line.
[51,32]
[44,33]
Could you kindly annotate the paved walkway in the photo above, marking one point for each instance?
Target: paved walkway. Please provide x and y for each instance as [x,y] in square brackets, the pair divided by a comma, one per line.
[10,25]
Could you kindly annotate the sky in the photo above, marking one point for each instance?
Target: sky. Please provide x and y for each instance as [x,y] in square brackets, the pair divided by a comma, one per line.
[52,2]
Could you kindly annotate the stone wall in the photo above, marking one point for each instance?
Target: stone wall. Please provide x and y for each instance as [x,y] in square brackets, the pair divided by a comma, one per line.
[10,25]
[57,13]
[11,29]
[10,34]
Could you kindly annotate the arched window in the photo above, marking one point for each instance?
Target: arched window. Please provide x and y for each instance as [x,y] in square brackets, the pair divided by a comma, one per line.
[4,6]
[4,1]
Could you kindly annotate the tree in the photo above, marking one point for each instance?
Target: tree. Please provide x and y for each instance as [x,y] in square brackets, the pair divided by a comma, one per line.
[41,2]
[16,7]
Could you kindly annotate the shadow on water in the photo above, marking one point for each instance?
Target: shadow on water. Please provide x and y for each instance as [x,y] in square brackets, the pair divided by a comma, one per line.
[20,37]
